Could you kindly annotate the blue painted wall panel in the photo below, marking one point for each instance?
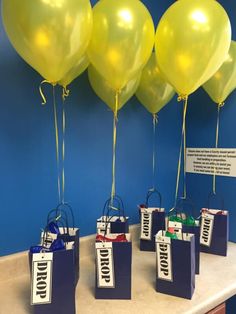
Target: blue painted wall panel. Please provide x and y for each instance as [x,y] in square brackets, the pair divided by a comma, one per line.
[28,176]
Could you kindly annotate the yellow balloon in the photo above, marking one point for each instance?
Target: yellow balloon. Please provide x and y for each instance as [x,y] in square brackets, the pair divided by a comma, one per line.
[78,69]
[154,92]
[108,94]
[192,41]
[50,35]
[122,40]
[223,82]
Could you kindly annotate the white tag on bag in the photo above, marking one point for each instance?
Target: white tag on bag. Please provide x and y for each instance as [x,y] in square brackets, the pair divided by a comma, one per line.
[146,225]
[103,227]
[105,265]
[206,229]
[41,280]
[176,225]
[164,260]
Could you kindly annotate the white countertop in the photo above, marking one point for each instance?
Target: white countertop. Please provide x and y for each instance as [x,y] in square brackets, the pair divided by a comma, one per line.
[215,284]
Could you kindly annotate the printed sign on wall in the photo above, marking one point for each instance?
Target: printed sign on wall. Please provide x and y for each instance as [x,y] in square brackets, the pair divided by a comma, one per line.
[219,161]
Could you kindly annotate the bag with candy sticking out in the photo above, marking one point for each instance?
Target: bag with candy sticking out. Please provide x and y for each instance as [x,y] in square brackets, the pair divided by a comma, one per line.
[54,265]
[181,218]
[175,263]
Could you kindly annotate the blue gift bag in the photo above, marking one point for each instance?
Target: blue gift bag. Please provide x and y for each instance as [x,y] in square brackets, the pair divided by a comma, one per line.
[113,219]
[214,229]
[184,212]
[63,247]
[175,265]
[152,220]
[63,284]
[113,269]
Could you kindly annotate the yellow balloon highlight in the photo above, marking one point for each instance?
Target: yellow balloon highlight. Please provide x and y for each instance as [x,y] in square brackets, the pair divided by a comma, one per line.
[192,41]
[122,40]
[154,92]
[78,69]
[50,35]
[108,94]
[223,82]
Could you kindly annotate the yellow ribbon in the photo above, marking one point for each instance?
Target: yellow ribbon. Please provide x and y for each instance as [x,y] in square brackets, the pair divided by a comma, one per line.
[113,186]
[182,147]
[44,100]
[60,175]
[216,144]
[63,149]
[154,122]
[57,145]
[65,93]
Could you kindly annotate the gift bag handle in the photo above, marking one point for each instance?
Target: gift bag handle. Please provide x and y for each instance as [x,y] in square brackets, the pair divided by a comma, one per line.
[220,198]
[59,210]
[67,206]
[152,192]
[108,207]
[58,218]
[180,205]
[179,208]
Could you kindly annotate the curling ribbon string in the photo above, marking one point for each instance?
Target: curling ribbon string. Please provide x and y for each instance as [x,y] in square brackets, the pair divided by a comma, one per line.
[63,149]
[184,140]
[65,93]
[216,144]
[154,121]
[183,143]
[44,100]
[113,188]
[57,144]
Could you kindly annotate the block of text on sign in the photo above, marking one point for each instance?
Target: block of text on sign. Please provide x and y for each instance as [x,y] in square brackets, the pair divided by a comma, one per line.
[219,161]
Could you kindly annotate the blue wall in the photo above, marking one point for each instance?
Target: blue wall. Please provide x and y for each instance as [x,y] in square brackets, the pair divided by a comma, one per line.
[28,176]
[28,186]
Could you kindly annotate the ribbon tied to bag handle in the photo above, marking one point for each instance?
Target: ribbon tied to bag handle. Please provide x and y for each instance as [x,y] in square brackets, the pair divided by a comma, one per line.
[152,192]
[61,213]
[109,207]
[114,204]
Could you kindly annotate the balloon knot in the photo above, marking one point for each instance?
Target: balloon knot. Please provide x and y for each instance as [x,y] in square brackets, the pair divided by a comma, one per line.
[65,92]
[221,104]
[182,97]
[155,118]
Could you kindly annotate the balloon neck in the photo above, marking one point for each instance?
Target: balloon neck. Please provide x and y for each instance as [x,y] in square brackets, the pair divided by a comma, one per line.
[182,97]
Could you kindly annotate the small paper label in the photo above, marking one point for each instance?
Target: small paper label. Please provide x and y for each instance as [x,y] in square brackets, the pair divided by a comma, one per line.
[103,228]
[206,229]
[146,225]
[105,265]
[176,225]
[41,281]
[164,261]
[47,238]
